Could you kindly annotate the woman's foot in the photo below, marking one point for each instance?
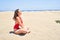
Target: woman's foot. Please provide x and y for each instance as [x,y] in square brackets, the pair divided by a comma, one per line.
[28,31]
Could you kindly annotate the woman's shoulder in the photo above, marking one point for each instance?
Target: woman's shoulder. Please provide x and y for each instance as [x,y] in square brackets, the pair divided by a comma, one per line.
[17,18]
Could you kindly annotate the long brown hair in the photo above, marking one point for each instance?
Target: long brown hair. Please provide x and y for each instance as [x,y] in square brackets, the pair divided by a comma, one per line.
[15,14]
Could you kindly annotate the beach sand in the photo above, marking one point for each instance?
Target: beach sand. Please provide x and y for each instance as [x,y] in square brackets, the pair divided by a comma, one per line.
[42,25]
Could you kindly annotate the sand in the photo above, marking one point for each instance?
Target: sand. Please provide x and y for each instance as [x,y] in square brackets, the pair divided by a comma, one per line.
[42,25]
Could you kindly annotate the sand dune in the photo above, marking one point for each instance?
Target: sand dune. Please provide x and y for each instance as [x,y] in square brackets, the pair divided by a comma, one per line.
[42,25]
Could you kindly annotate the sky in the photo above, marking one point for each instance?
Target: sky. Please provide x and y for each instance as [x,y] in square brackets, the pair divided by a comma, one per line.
[29,4]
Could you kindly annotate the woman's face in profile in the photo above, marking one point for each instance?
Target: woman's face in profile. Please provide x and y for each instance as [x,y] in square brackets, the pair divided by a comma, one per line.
[19,12]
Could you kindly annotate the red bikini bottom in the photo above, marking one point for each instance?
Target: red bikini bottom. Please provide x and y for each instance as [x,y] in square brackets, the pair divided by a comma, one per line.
[16,27]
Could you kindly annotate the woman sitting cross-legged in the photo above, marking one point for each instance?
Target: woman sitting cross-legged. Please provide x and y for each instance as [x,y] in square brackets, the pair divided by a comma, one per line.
[19,26]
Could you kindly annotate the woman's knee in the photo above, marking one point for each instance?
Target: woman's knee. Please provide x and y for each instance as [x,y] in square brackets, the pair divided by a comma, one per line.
[16,32]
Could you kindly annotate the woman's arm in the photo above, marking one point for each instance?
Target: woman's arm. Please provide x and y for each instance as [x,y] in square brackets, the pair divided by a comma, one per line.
[19,21]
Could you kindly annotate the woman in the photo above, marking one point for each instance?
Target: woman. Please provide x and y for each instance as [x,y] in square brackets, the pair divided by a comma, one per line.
[19,26]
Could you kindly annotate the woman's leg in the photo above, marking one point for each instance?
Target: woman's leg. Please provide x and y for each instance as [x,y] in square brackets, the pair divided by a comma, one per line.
[19,31]
[27,29]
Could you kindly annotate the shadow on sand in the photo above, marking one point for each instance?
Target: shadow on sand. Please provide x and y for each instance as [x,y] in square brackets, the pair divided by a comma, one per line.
[22,34]
[57,21]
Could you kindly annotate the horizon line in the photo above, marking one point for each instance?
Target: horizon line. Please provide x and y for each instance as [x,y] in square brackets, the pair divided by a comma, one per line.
[33,10]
